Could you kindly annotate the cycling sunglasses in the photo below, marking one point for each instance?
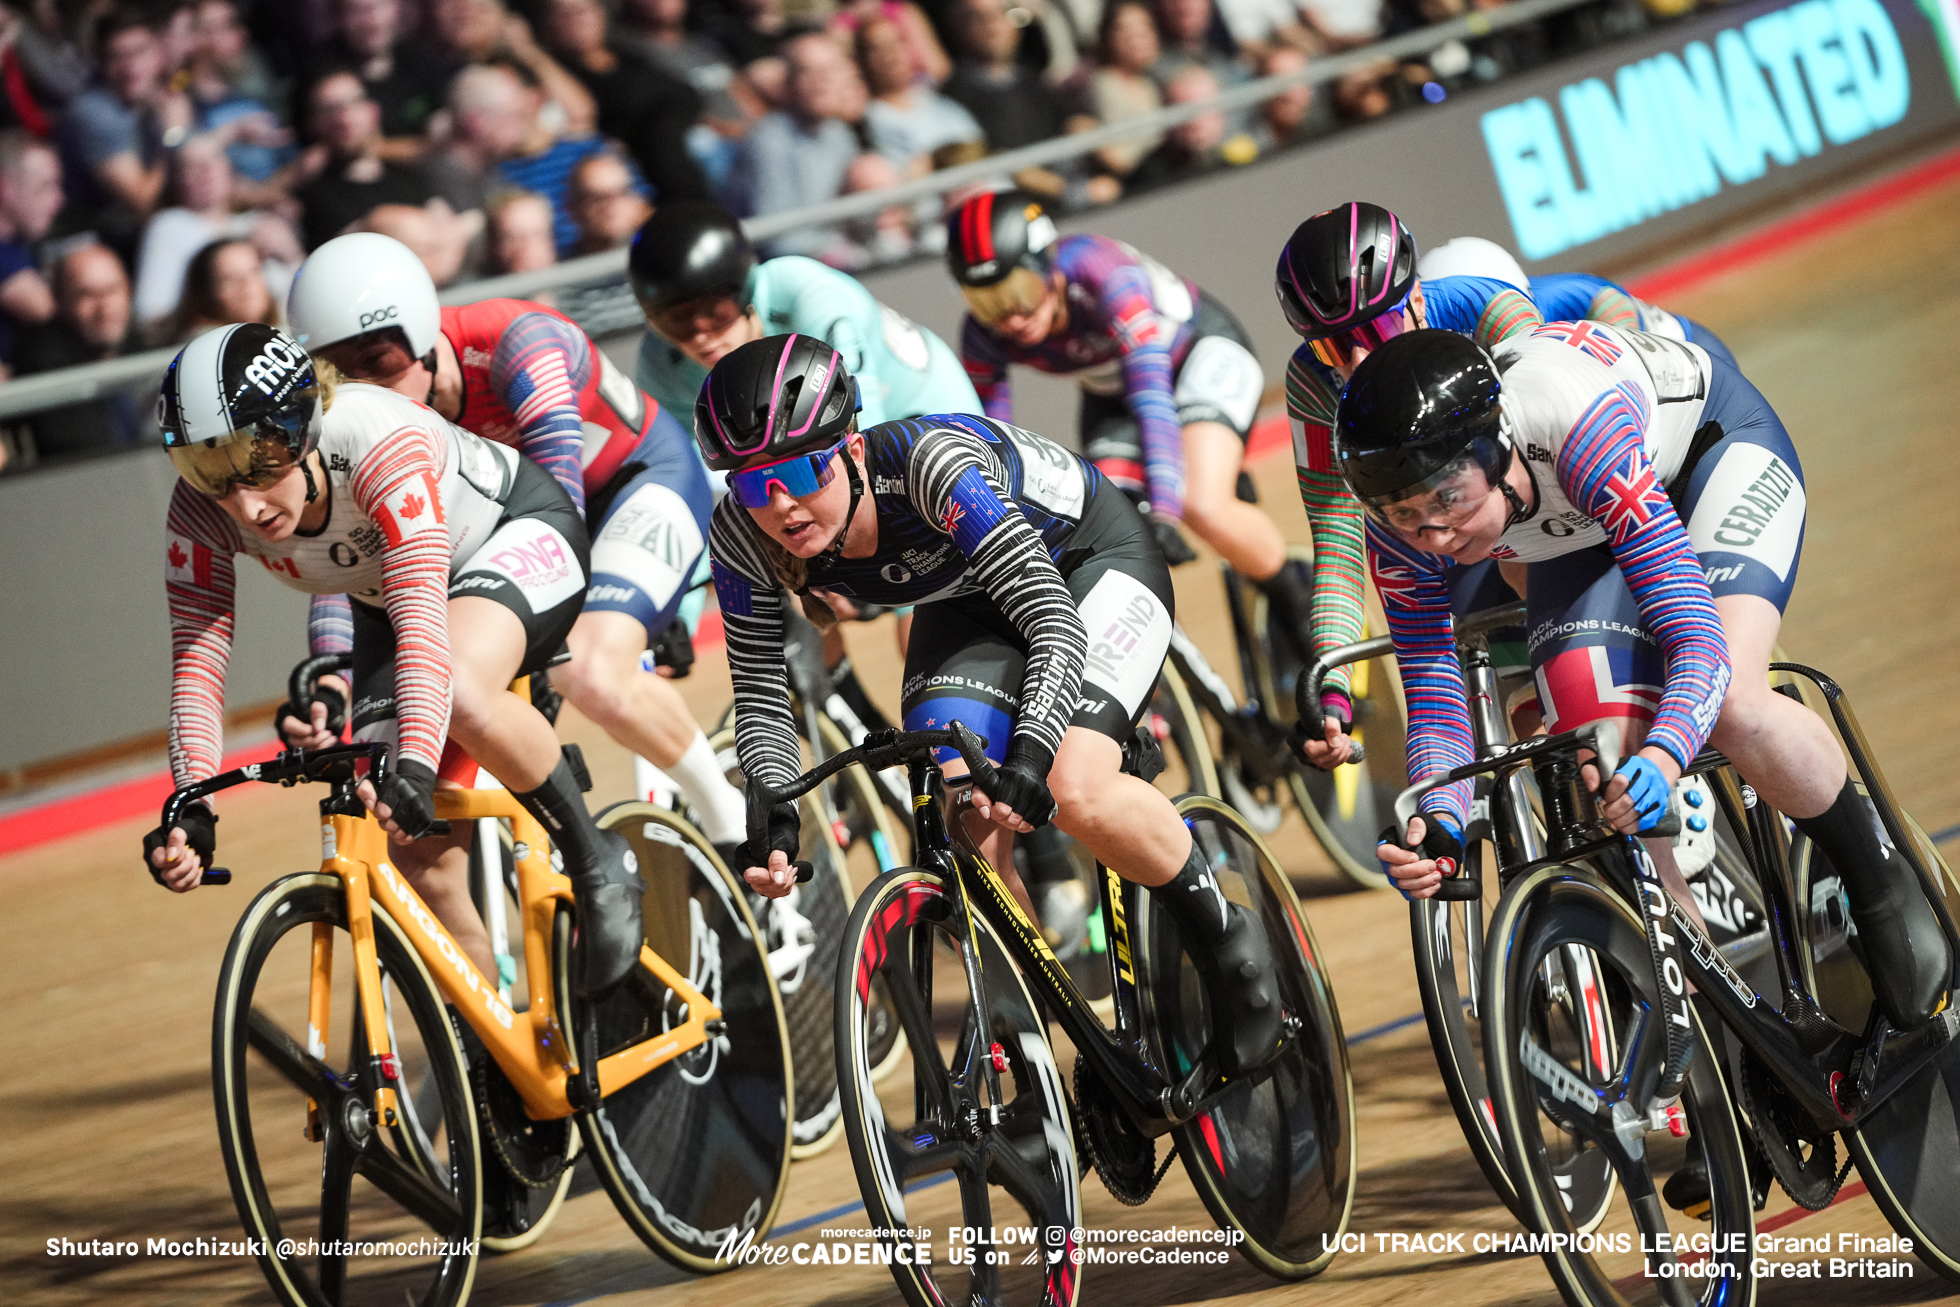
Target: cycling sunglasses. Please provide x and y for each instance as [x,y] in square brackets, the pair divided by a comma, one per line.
[799,475]
[707,315]
[1337,349]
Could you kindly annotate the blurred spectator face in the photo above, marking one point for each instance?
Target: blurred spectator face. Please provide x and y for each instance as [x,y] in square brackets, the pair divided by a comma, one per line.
[439,241]
[658,15]
[1133,43]
[1363,94]
[986,32]
[575,24]
[474,28]
[822,83]
[238,288]
[30,193]
[1286,111]
[92,296]
[132,64]
[1207,130]
[219,38]
[370,27]
[342,116]
[521,238]
[494,111]
[1184,22]
[203,175]
[179,36]
[604,204]
[886,60]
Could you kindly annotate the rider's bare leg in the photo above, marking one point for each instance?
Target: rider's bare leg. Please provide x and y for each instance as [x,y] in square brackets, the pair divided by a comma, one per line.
[1241,533]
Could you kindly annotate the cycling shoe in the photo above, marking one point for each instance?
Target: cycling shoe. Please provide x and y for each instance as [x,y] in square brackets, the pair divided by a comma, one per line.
[611,926]
[1238,976]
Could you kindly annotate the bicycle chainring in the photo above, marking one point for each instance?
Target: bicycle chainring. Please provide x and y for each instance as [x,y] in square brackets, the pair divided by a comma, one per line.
[532,1151]
[1124,1158]
[1802,1156]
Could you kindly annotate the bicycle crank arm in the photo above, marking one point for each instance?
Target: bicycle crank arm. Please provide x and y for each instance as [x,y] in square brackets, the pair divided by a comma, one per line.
[1194,1095]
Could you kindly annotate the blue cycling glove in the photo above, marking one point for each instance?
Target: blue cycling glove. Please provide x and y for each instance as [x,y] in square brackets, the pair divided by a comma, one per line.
[1648,788]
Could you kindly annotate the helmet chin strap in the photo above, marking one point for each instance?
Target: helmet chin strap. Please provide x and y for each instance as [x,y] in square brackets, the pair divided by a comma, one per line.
[306,470]
[836,549]
[429,361]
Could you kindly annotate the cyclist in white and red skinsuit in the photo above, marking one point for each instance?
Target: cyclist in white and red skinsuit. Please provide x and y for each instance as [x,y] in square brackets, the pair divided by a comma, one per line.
[467,565]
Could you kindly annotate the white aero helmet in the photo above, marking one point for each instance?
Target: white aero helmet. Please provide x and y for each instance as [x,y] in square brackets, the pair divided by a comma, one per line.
[1466,256]
[360,283]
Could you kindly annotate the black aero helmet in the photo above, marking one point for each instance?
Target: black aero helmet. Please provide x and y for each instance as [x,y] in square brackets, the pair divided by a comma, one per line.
[240,405]
[1412,410]
[781,395]
[686,250]
[991,235]
[1344,267]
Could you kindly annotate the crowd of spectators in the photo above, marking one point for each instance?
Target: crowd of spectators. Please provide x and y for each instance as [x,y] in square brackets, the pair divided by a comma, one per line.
[165,165]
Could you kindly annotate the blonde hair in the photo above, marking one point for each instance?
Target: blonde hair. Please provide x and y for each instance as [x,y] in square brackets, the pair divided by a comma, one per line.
[327,379]
[794,573]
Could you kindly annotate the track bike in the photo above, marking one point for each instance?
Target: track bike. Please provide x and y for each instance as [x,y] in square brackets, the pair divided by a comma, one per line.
[331,1022]
[1666,1099]
[1447,931]
[1271,1153]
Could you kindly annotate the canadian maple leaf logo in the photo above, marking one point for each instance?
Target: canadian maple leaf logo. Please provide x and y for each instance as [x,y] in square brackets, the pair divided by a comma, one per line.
[177,555]
[412,506]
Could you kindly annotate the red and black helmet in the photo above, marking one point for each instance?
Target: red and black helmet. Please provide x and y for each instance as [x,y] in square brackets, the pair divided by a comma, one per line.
[781,395]
[991,235]
[1344,267]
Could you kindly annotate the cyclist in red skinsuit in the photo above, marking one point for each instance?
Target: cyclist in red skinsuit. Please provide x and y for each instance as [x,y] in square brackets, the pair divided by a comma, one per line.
[524,375]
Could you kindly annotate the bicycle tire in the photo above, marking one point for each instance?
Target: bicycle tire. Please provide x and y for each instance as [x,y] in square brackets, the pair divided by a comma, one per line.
[1891,1147]
[1275,1158]
[276,1172]
[901,919]
[863,810]
[684,1191]
[1567,908]
[808,979]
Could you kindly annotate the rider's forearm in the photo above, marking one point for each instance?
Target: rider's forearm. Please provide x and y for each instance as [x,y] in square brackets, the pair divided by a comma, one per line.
[330,625]
[1418,609]
[1339,563]
[533,368]
[199,587]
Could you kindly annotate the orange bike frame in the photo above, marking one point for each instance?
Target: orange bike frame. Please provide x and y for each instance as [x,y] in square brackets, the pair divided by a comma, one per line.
[531,1047]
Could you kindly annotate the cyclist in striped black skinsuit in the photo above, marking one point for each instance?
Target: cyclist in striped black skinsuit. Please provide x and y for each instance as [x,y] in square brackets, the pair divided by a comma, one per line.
[1043,617]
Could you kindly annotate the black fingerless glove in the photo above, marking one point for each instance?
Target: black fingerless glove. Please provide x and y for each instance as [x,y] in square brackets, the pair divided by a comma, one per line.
[333,699]
[1024,792]
[409,791]
[199,826]
[785,832]
[1438,842]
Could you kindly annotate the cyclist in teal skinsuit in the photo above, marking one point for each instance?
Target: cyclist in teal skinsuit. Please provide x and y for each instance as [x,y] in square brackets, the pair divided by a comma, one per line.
[704,295]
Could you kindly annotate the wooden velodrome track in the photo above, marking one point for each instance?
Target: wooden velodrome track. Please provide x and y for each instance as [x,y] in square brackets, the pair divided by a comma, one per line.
[107,1099]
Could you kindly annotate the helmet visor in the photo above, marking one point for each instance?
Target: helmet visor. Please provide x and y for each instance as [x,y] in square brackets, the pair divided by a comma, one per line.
[250,456]
[1337,349]
[704,315]
[1017,294]
[797,476]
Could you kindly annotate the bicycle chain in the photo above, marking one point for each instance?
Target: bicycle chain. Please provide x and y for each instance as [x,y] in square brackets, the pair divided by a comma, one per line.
[1781,1130]
[534,1152]
[1123,1157]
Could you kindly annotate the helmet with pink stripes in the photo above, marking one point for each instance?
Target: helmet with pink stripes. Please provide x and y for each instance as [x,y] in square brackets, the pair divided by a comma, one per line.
[779,396]
[1344,267]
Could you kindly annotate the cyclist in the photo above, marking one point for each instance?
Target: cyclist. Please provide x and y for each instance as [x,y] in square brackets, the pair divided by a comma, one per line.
[526,376]
[1659,507]
[466,565]
[1015,552]
[1169,382]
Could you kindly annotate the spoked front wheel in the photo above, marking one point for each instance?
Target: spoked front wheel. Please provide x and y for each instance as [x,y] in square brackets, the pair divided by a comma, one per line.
[1013,1171]
[698,1149]
[1274,1158]
[382,1210]
[1559,1094]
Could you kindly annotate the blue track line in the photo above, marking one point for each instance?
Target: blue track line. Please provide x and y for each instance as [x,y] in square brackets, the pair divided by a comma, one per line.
[635,1279]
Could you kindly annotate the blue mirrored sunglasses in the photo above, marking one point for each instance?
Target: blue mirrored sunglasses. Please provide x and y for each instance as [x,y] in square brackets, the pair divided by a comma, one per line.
[798,475]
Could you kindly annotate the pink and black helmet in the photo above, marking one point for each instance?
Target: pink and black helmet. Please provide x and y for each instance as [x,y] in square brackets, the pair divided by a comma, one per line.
[780,396]
[1344,267]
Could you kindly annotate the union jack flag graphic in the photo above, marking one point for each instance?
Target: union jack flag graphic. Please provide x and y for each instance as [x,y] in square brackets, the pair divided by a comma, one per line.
[1583,336]
[1398,587]
[951,518]
[1598,681]
[1634,497]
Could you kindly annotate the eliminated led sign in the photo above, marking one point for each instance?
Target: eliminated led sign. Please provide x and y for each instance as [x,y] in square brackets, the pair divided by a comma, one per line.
[1673,129]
